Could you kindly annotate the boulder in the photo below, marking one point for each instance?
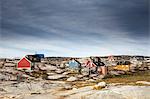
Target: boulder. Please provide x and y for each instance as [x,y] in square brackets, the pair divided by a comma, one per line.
[56,77]
[49,68]
[1,64]
[80,76]
[101,76]
[13,78]
[102,84]
[85,75]
[91,80]
[67,72]
[59,71]
[141,68]
[85,71]
[133,71]
[133,67]
[93,75]
[2,90]
[72,79]
[9,64]
[99,86]
[95,78]
[149,67]
[7,77]
[67,86]
[121,72]
[62,65]
[51,73]
[114,73]
[2,77]
[85,78]
[143,82]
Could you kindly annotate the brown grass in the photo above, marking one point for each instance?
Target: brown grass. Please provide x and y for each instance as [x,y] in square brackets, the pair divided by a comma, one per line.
[128,79]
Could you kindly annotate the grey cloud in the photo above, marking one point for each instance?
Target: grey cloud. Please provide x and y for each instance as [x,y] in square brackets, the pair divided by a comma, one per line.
[131,16]
[86,22]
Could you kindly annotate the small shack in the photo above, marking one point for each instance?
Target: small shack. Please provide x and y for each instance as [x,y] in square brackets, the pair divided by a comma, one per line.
[123,65]
[24,63]
[40,55]
[33,58]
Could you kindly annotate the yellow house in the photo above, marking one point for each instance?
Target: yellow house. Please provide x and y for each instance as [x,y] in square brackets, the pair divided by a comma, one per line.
[122,65]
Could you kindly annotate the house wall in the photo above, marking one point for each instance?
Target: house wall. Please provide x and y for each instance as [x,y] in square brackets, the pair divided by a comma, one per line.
[24,64]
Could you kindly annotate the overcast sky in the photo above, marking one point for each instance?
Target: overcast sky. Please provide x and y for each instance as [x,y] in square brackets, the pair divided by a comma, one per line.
[74,27]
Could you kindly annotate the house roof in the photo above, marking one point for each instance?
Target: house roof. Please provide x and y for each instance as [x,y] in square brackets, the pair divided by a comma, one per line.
[24,58]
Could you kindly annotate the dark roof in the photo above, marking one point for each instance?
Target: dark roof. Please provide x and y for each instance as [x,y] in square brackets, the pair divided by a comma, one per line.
[33,58]
[40,55]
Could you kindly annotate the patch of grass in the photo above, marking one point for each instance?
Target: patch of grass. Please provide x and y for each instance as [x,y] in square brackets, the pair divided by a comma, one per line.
[80,84]
[130,78]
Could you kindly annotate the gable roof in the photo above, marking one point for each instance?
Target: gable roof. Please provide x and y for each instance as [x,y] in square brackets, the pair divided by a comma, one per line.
[24,58]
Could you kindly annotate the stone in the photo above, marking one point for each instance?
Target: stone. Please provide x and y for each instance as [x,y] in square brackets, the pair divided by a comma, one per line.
[85,75]
[99,86]
[59,71]
[1,65]
[133,71]
[102,84]
[2,90]
[85,78]
[10,64]
[80,76]
[74,88]
[121,72]
[28,71]
[66,73]
[145,69]
[56,77]
[149,67]
[141,69]
[85,71]
[143,82]
[101,76]
[48,68]
[91,80]
[133,67]
[51,73]
[4,77]
[114,73]
[93,75]
[95,78]
[67,87]
[62,65]
[13,78]
[71,79]
[51,68]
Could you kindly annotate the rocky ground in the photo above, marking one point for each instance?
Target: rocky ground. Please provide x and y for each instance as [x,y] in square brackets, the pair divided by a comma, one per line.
[133,86]
[63,90]
[56,81]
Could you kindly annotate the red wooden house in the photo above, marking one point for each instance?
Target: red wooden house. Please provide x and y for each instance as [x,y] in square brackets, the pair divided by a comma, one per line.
[24,63]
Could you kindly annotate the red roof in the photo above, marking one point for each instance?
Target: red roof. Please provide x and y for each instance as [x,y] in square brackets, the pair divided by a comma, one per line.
[24,63]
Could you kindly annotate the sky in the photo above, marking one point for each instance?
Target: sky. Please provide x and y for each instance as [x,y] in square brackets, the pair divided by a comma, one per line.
[76,28]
